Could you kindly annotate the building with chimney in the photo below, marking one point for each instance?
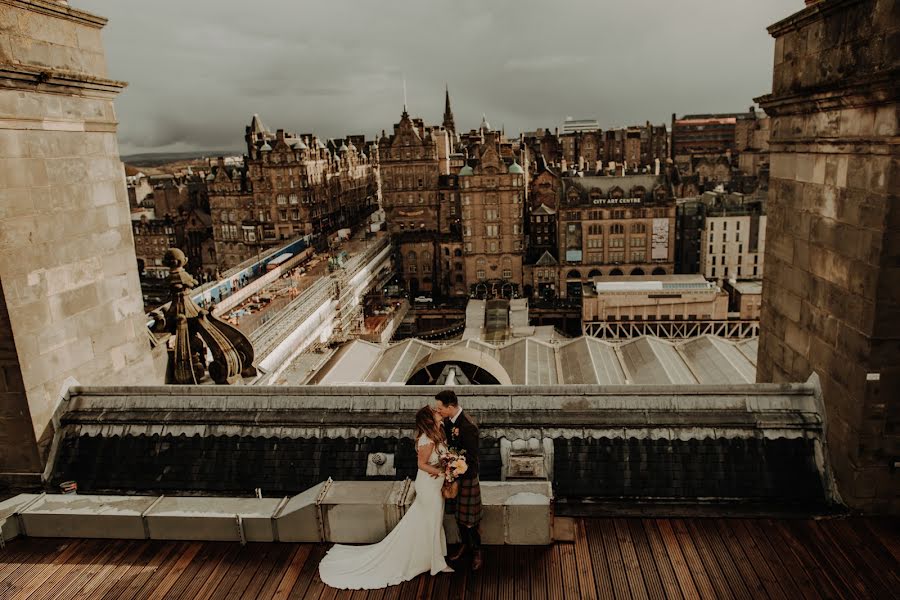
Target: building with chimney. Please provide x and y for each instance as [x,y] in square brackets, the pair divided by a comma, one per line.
[492,200]
[290,186]
[613,226]
[421,208]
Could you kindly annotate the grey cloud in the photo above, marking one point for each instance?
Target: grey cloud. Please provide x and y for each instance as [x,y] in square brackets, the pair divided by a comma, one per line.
[198,70]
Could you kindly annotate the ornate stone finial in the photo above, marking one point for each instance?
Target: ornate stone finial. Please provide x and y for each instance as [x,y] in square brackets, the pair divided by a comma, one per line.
[196,330]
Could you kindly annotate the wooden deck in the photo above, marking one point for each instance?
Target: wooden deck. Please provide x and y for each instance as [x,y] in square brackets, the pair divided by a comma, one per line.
[610,558]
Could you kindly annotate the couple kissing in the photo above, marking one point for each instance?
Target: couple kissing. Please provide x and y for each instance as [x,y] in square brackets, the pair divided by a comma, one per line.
[446,441]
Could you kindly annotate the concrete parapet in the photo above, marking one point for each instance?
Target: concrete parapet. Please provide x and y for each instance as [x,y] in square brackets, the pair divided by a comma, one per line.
[218,519]
[348,512]
[72,515]
[9,509]
[362,512]
[297,520]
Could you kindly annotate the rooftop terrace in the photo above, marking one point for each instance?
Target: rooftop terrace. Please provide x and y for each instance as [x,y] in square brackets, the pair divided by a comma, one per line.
[609,558]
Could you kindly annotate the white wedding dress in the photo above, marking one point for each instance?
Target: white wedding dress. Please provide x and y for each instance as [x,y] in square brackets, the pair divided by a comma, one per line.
[416,545]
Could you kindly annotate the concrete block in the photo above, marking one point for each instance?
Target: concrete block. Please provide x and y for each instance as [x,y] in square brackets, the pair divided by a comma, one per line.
[78,516]
[529,518]
[298,520]
[9,524]
[212,519]
[516,512]
[363,512]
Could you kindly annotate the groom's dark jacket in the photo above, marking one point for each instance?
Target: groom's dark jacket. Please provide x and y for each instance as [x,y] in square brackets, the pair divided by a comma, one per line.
[463,435]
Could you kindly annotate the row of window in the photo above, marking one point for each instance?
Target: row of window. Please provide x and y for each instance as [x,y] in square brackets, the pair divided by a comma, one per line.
[737,237]
[492,231]
[598,215]
[739,273]
[491,198]
[712,225]
[724,253]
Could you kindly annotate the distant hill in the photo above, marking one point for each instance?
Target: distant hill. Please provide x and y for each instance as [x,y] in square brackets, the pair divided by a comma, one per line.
[153,159]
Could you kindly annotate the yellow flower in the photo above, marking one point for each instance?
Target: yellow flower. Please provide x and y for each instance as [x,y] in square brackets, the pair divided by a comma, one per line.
[461,467]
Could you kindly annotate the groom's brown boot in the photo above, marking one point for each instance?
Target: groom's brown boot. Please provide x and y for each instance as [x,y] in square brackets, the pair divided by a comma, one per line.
[477,561]
[463,543]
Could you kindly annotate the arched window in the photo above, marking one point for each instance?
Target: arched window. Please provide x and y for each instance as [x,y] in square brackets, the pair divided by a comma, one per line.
[426,257]
[637,271]
[411,257]
[594,273]
[595,230]
[446,251]
[573,274]
[615,272]
[457,252]
[659,271]
[616,229]
[638,228]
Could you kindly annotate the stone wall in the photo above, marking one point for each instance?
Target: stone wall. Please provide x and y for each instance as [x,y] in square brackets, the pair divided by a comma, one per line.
[67,264]
[831,293]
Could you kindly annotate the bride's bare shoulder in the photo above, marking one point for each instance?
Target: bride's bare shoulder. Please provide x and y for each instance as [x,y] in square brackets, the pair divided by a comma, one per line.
[423,440]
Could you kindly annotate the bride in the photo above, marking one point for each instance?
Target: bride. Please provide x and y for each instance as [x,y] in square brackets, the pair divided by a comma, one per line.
[417,544]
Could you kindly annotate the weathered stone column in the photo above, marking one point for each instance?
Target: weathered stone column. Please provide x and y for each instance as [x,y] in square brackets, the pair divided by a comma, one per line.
[70,299]
[831,293]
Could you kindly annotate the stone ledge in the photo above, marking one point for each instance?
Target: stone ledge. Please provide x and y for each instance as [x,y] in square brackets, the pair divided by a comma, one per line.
[57,81]
[61,11]
[868,90]
[810,14]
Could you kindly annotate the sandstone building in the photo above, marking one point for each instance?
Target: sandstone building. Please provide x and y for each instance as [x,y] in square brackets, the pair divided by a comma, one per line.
[70,301]
[421,207]
[492,199]
[613,226]
[289,186]
[728,149]
[831,290]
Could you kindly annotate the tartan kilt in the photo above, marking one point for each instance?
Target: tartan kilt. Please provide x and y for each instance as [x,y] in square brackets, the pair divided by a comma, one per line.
[468,502]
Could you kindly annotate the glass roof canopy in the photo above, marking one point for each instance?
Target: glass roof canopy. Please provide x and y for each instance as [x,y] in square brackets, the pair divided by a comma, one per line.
[585,360]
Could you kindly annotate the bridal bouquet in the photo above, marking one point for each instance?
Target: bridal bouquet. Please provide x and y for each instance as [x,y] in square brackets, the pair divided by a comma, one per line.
[453,463]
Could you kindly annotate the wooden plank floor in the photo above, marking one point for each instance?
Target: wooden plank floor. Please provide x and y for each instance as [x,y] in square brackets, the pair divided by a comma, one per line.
[610,558]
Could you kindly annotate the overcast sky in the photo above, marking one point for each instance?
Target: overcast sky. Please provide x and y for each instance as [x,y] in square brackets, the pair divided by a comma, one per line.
[199,69]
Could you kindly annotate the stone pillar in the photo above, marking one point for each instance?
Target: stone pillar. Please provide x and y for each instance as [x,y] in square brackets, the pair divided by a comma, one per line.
[831,292]
[70,299]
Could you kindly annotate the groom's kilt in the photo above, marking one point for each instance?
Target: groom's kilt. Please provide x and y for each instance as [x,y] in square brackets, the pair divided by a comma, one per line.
[468,502]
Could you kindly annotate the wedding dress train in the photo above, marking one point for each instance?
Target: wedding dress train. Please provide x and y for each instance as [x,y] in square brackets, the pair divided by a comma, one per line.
[416,545]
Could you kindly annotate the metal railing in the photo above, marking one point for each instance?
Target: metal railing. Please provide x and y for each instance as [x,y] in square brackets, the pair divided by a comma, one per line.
[618,330]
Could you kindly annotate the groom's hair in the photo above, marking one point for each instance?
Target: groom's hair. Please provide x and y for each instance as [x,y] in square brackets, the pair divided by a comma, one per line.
[447,397]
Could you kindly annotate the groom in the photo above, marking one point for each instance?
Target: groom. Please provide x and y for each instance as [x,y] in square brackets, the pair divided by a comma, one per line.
[462,434]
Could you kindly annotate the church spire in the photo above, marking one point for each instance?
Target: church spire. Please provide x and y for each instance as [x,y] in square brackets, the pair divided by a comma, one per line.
[449,125]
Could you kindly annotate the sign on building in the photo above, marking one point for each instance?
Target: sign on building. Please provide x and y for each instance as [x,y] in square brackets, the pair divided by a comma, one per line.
[659,244]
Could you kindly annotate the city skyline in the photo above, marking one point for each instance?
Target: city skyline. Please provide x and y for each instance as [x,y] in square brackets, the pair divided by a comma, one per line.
[338,69]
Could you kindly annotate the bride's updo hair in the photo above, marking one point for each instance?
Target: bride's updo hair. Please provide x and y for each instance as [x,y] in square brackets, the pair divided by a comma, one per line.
[428,425]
